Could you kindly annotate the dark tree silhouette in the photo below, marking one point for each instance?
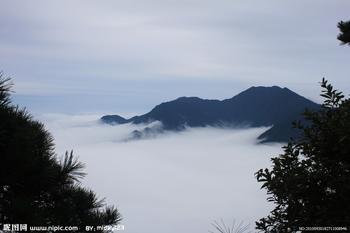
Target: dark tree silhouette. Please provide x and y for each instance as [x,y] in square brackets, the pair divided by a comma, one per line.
[35,187]
[310,182]
[344,35]
[222,227]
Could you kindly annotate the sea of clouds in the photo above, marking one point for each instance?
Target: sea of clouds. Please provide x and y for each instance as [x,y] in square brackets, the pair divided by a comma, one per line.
[176,182]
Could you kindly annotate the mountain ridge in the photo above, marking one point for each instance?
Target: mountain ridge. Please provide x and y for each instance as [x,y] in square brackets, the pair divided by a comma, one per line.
[256,106]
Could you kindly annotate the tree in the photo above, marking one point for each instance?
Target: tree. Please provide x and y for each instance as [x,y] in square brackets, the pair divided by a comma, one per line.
[310,182]
[344,35]
[35,187]
[221,227]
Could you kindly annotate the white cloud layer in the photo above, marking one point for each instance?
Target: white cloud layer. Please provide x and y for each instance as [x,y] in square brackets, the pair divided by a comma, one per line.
[180,182]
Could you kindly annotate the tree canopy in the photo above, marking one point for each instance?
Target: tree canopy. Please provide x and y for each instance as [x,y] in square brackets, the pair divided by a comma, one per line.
[36,187]
[344,35]
[310,182]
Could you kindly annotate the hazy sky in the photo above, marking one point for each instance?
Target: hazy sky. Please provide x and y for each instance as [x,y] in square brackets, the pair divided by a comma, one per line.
[178,182]
[127,56]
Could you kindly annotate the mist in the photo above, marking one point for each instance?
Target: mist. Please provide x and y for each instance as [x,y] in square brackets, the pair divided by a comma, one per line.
[176,182]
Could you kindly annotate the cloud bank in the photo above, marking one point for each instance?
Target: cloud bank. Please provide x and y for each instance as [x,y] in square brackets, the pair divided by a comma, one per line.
[180,182]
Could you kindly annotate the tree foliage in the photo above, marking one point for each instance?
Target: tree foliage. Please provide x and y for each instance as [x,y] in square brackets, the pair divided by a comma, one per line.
[310,182]
[35,187]
[221,227]
[344,35]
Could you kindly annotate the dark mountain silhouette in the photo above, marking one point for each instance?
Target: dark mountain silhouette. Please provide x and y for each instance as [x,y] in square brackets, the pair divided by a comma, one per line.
[114,119]
[254,107]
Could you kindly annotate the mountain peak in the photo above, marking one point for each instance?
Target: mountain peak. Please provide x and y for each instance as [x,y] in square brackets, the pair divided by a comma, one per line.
[113,119]
[188,99]
[272,93]
[257,106]
[272,89]
[265,87]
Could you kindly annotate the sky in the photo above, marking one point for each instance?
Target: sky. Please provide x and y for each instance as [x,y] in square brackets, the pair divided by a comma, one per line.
[128,56]
[177,182]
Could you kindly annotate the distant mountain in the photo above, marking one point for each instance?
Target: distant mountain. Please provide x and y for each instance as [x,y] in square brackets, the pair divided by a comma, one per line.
[114,119]
[254,107]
